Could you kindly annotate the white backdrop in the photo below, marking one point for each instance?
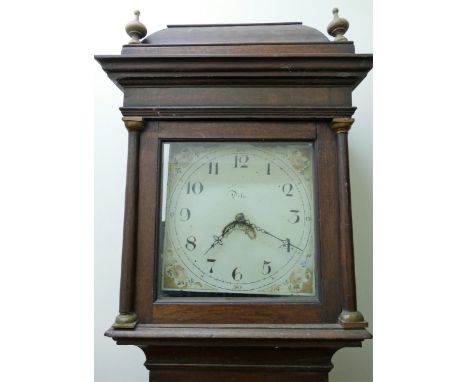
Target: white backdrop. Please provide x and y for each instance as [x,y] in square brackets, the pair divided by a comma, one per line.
[123,364]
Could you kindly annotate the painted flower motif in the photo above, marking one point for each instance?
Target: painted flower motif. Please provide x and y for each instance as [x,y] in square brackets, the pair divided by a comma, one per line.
[177,273]
[299,280]
[184,157]
[299,160]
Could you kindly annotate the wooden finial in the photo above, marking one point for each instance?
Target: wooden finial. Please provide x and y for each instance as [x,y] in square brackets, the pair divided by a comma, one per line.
[135,29]
[338,27]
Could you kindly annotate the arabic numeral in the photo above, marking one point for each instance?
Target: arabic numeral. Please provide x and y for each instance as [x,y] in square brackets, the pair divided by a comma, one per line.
[266,267]
[213,168]
[196,188]
[287,188]
[236,275]
[212,261]
[287,245]
[268,169]
[185,214]
[191,243]
[295,217]
[241,161]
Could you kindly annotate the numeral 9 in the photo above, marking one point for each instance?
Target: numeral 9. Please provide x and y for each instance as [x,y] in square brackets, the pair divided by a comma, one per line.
[185,214]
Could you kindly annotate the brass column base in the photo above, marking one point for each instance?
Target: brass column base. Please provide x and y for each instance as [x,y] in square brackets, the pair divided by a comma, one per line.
[125,321]
[352,320]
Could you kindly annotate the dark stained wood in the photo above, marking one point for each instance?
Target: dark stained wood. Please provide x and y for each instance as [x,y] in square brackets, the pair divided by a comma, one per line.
[295,48]
[262,313]
[320,69]
[241,334]
[127,276]
[239,353]
[224,34]
[346,227]
[229,84]
[175,374]
[328,222]
[235,130]
[239,112]
[237,96]
[148,221]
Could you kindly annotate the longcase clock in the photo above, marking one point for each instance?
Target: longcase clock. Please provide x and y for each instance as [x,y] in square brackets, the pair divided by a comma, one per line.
[237,260]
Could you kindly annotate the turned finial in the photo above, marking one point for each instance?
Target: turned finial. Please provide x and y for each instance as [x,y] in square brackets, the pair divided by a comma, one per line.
[135,29]
[338,27]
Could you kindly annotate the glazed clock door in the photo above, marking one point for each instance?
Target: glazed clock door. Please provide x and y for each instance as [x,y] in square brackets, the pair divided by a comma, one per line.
[237,223]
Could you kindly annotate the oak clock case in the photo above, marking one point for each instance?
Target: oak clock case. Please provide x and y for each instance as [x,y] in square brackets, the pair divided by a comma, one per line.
[238,258]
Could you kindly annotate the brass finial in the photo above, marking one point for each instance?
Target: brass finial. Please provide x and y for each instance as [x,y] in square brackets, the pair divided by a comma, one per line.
[135,29]
[338,27]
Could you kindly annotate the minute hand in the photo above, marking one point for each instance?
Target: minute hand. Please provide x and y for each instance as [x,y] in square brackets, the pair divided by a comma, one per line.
[286,242]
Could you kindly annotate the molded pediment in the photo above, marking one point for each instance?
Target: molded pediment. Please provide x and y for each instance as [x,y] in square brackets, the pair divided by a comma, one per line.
[225,34]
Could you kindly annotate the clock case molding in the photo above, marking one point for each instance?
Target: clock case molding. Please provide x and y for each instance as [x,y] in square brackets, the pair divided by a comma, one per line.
[276,82]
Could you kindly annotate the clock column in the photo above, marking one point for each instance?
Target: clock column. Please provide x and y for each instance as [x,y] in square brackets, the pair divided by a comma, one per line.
[127,318]
[350,317]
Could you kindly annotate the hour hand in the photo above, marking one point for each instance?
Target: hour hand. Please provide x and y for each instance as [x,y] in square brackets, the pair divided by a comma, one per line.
[218,240]
[239,221]
[227,230]
[243,224]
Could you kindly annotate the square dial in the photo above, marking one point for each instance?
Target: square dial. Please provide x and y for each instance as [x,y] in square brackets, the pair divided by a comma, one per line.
[238,218]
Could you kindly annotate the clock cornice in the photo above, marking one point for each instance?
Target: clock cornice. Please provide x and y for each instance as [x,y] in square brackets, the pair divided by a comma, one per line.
[203,70]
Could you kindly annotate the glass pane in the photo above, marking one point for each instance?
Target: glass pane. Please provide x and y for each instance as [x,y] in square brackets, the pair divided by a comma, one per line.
[237,220]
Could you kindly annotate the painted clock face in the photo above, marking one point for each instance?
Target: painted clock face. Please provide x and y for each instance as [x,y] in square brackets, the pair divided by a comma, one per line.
[238,218]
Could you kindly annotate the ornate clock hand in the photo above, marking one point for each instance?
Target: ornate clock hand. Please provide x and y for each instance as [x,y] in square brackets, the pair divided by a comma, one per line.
[239,221]
[285,242]
[218,240]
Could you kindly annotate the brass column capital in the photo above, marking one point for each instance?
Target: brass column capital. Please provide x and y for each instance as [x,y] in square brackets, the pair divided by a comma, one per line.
[341,124]
[133,123]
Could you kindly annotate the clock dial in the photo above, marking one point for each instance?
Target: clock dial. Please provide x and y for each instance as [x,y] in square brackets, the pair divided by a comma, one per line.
[239,218]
